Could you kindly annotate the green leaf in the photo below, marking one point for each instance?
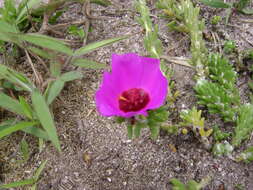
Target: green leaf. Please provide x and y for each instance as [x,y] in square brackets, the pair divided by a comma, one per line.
[23,10]
[154,129]
[137,129]
[11,104]
[54,90]
[177,185]
[26,107]
[216,3]
[44,116]
[5,27]
[37,132]
[88,64]
[72,75]
[39,170]
[76,31]
[40,52]
[104,3]
[220,149]
[130,131]
[246,156]
[24,149]
[193,185]
[46,42]
[7,130]
[55,68]
[244,124]
[15,78]
[93,46]
[19,183]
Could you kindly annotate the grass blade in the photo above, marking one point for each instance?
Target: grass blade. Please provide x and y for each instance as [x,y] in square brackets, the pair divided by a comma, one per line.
[93,46]
[45,117]
[11,104]
[35,131]
[19,183]
[72,75]
[26,107]
[46,42]
[54,90]
[5,27]
[16,78]
[23,10]
[39,170]
[6,130]
[88,64]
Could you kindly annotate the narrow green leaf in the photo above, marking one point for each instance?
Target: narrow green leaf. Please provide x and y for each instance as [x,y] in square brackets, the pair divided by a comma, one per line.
[137,129]
[15,78]
[247,11]
[23,11]
[72,75]
[130,131]
[55,68]
[19,183]
[93,46]
[40,52]
[26,107]
[35,131]
[11,104]
[88,64]
[104,3]
[54,90]
[46,42]
[34,187]
[154,129]
[5,27]
[24,149]
[7,130]
[45,117]
[39,170]
[216,3]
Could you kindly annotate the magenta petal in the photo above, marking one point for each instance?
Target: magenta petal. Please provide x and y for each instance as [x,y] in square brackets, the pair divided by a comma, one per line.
[106,97]
[131,71]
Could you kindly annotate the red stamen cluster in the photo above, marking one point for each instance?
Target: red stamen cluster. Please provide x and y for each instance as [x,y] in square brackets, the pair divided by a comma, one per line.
[133,99]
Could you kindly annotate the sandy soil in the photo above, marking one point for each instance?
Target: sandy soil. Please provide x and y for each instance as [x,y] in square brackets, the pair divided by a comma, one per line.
[97,155]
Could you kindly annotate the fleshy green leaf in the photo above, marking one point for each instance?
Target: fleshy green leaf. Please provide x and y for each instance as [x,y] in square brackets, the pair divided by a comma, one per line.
[246,156]
[45,117]
[177,185]
[216,3]
[244,124]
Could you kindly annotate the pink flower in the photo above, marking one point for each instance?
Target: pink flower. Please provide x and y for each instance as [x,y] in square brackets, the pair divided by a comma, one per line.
[135,85]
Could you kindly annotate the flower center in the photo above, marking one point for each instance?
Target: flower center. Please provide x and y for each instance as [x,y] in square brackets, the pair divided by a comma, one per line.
[133,99]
